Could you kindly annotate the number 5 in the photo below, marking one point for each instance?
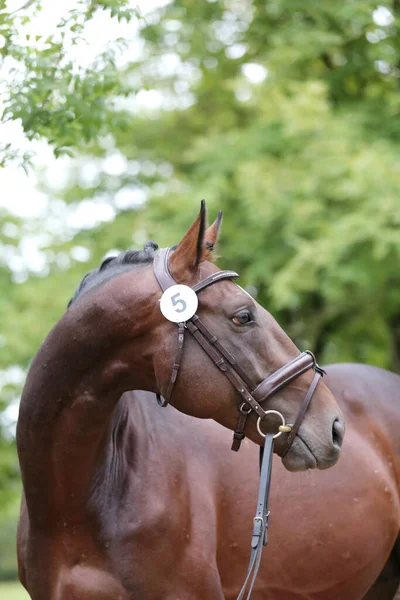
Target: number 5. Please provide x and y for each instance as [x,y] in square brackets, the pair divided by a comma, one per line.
[180,301]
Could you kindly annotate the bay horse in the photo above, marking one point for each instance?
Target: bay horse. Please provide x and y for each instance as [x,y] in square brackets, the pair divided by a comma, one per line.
[122,501]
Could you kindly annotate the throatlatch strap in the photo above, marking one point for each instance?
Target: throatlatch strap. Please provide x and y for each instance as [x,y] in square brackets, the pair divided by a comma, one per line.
[259,537]
[206,340]
[164,401]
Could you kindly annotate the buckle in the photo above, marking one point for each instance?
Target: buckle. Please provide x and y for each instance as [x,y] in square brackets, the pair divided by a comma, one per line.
[245,408]
[258,526]
[319,369]
[316,366]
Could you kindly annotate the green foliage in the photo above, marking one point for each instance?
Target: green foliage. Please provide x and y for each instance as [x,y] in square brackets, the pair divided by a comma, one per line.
[56,98]
[8,567]
[305,163]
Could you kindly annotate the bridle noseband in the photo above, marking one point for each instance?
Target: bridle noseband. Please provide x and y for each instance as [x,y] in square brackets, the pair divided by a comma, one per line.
[251,398]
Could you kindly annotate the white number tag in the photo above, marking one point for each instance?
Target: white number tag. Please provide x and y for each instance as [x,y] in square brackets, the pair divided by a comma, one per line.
[179,303]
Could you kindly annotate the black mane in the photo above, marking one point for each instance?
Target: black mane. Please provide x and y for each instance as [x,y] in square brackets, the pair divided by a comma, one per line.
[114,265]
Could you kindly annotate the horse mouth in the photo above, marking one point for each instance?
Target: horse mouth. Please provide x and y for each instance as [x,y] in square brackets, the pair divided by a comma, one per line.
[304,457]
[310,453]
[300,456]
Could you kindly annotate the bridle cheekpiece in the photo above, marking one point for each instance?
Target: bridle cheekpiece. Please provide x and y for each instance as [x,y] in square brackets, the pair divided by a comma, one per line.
[251,397]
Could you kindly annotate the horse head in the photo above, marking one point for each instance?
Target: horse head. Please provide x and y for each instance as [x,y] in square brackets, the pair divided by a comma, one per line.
[146,344]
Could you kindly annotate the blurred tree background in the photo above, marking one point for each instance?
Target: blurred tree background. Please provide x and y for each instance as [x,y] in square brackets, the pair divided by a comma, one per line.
[284,114]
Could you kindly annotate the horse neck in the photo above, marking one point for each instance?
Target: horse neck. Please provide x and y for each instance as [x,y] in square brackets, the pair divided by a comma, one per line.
[73,385]
[130,444]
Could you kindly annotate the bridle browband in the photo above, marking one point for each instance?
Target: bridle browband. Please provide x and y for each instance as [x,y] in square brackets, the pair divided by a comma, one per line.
[250,401]
[251,397]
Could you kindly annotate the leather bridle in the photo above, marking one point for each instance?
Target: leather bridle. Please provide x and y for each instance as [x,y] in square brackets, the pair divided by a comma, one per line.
[251,397]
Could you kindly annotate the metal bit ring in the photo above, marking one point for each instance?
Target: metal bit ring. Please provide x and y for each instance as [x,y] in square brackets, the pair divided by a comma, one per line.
[282,428]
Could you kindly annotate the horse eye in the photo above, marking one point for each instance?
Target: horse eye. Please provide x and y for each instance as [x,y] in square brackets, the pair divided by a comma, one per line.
[242,318]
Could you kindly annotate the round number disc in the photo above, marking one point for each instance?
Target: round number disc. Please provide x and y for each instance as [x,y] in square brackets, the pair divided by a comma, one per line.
[179,303]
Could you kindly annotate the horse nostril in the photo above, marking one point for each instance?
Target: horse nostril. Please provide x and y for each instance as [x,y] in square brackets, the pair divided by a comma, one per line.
[337,433]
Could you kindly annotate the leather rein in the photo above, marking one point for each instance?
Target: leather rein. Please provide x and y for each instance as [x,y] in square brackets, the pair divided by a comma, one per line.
[251,399]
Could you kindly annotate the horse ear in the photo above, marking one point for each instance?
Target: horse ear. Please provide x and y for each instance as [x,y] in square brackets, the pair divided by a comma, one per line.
[211,237]
[190,250]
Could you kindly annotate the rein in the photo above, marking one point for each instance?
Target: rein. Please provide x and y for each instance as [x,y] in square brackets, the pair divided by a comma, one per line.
[259,537]
[251,399]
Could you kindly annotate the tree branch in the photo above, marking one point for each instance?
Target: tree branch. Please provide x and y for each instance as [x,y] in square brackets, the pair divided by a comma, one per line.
[26,5]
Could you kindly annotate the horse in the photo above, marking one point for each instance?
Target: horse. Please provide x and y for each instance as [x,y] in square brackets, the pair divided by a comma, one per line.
[331,532]
[120,502]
